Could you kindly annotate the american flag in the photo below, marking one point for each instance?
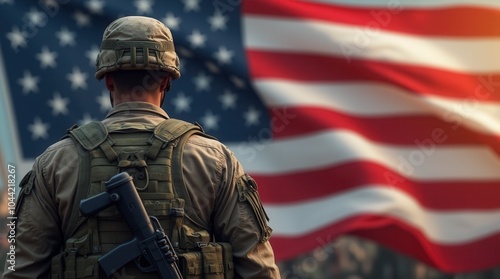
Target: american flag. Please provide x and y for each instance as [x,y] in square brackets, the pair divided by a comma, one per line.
[373,118]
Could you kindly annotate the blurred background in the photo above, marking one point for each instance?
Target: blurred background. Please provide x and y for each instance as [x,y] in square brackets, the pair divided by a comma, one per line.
[371,127]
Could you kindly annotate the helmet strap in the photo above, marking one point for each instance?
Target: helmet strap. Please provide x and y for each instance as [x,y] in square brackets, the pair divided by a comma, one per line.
[169,85]
[164,93]
[111,98]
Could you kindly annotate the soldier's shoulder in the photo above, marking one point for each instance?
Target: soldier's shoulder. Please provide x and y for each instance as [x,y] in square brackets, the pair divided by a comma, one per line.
[64,143]
[64,147]
[207,142]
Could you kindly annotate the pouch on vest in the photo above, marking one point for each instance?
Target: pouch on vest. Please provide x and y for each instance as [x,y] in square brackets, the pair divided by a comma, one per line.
[217,260]
[213,260]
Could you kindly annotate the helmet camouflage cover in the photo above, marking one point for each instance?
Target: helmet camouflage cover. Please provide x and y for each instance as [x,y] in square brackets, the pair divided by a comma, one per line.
[126,41]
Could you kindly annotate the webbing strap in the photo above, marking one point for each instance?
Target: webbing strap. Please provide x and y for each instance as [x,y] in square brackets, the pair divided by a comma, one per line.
[171,129]
[175,129]
[156,146]
[180,189]
[107,149]
[86,137]
[82,188]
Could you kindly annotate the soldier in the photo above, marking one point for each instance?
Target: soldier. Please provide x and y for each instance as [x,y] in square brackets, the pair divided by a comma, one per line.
[192,183]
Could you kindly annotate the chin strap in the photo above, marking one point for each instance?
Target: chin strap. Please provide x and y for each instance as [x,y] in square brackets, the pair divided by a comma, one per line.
[111,99]
[167,88]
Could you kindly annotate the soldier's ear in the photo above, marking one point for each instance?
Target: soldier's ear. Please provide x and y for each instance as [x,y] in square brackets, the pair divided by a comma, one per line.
[110,82]
[165,84]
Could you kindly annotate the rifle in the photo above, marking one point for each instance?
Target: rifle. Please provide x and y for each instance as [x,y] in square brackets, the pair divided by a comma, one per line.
[149,241]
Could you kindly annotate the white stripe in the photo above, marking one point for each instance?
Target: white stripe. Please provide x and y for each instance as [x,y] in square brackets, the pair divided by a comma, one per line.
[443,227]
[284,35]
[426,160]
[391,5]
[381,100]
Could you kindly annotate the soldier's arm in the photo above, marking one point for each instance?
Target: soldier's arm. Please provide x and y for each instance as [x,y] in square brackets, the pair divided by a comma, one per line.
[240,220]
[38,235]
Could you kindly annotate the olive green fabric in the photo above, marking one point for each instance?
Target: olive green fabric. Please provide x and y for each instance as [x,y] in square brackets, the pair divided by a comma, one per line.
[147,154]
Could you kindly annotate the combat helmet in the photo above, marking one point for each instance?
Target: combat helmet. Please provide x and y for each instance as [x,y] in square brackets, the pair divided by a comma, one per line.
[126,41]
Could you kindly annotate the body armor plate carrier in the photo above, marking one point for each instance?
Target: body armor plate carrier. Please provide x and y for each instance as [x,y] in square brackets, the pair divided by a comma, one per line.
[152,156]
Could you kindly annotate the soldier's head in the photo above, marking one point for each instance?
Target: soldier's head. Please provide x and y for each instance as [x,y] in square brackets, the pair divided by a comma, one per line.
[137,59]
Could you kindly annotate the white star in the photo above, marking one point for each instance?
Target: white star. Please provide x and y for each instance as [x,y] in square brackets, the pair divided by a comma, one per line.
[95,6]
[171,21]
[81,19]
[47,58]
[36,17]
[59,105]
[104,101]
[251,116]
[144,6]
[197,39]
[210,121]
[191,5]
[223,55]
[228,100]
[17,38]
[217,21]
[38,129]
[92,54]
[202,82]
[86,119]
[66,37]
[29,82]
[181,102]
[78,79]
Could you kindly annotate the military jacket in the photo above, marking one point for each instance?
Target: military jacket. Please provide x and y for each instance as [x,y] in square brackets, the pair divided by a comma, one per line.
[211,173]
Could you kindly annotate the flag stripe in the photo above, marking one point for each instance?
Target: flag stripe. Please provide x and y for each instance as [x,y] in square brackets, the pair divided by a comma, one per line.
[370,101]
[414,79]
[288,188]
[440,22]
[382,201]
[387,130]
[399,235]
[279,35]
[366,98]
[337,147]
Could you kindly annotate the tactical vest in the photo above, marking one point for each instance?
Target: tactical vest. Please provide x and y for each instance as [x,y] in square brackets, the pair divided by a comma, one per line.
[152,155]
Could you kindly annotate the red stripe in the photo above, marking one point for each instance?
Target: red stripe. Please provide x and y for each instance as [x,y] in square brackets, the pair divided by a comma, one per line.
[452,21]
[393,233]
[289,188]
[293,121]
[415,79]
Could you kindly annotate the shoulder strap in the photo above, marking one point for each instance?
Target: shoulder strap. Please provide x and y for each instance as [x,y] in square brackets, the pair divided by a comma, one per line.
[175,129]
[90,135]
[87,138]
[172,129]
